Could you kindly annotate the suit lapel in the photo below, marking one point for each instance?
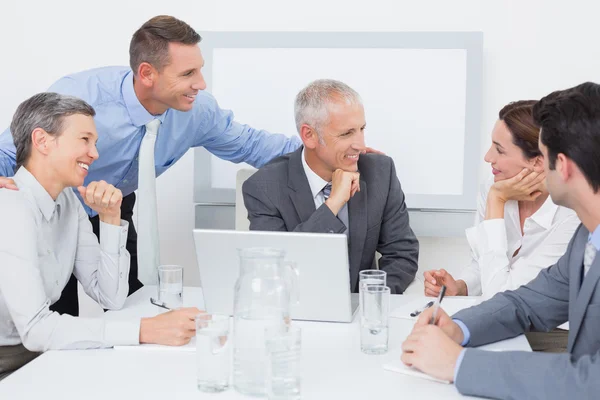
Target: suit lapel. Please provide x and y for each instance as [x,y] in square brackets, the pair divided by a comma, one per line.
[580,292]
[300,194]
[357,216]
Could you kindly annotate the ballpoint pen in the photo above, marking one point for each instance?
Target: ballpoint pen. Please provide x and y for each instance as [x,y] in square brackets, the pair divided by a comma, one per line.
[156,303]
[436,307]
[425,307]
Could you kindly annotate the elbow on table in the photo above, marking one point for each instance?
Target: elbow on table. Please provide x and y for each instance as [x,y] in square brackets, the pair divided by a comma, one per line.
[36,340]
[115,303]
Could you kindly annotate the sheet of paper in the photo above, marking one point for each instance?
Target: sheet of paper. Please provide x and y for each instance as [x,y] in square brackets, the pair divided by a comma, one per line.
[398,366]
[191,347]
[451,305]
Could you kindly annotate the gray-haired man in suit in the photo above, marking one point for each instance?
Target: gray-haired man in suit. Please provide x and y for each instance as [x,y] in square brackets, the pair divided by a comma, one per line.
[330,186]
[568,290]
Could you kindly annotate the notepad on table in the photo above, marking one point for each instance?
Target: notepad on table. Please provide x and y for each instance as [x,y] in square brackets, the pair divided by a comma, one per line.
[398,366]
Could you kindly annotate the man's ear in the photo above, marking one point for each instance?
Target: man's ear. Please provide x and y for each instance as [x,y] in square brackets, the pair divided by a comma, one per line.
[309,136]
[146,74]
[40,140]
[564,166]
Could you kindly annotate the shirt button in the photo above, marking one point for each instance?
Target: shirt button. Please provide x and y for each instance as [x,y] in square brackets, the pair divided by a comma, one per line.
[56,283]
[49,251]
[121,274]
[125,181]
[331,231]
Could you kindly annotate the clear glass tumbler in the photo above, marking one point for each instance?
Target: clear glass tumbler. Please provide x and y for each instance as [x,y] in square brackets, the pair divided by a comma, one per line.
[170,285]
[213,352]
[374,319]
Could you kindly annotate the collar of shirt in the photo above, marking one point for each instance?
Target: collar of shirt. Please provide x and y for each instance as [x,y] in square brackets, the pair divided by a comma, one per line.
[25,180]
[545,215]
[594,237]
[138,114]
[315,182]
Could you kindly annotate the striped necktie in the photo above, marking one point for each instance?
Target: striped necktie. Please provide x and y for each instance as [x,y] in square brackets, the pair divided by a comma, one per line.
[327,191]
[588,256]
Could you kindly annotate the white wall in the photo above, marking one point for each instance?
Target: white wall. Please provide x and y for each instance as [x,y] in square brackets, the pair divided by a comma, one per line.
[530,48]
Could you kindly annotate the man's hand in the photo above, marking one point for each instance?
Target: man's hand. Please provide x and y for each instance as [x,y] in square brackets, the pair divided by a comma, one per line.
[443,321]
[527,185]
[105,199]
[372,150]
[173,328]
[430,350]
[7,183]
[434,280]
[344,185]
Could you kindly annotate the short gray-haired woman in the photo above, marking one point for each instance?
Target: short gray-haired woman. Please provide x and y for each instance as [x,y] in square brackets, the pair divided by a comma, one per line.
[45,236]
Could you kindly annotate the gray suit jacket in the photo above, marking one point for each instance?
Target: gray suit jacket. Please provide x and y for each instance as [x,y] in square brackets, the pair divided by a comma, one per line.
[557,294]
[278,198]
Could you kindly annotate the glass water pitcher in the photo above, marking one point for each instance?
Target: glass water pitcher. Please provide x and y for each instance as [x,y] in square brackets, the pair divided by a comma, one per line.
[262,300]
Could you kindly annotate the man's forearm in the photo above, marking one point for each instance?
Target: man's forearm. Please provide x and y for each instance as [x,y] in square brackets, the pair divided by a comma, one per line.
[7,165]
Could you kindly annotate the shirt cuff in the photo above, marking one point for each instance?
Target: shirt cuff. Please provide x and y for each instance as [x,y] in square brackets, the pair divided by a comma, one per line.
[122,333]
[471,275]
[465,331]
[113,239]
[458,362]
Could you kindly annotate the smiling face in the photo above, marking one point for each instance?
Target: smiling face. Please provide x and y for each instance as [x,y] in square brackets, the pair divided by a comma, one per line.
[70,153]
[505,157]
[342,138]
[178,83]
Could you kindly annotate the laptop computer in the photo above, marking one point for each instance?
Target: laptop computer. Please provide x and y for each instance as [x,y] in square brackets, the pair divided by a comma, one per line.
[321,260]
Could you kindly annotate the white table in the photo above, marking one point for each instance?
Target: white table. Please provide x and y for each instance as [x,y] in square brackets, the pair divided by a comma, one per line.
[333,366]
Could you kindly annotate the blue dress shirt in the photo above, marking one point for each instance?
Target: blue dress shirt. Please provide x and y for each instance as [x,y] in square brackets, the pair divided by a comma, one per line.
[593,237]
[120,122]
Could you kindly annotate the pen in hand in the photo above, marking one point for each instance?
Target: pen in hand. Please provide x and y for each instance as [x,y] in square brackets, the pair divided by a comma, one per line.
[425,307]
[436,307]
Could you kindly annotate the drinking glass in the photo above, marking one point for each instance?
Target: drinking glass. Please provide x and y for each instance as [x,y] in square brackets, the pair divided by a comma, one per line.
[170,286]
[374,319]
[213,352]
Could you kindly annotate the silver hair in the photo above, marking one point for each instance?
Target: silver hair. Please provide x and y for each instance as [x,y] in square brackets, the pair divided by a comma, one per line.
[311,105]
[46,111]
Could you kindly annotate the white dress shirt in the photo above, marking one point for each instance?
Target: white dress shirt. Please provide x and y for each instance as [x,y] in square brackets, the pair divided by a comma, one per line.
[493,243]
[42,242]
[317,184]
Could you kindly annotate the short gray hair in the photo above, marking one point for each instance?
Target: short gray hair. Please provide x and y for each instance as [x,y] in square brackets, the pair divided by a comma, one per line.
[311,103]
[46,111]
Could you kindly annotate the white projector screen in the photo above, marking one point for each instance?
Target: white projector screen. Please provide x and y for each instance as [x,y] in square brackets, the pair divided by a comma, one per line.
[416,105]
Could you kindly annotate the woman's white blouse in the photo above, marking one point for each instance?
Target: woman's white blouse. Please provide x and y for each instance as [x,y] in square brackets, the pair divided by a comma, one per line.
[493,243]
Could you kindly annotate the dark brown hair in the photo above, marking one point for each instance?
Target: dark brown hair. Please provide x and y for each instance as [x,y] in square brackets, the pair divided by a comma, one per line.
[518,117]
[150,43]
[570,123]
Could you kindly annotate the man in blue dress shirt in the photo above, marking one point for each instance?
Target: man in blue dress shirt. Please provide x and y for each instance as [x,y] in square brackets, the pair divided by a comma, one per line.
[164,82]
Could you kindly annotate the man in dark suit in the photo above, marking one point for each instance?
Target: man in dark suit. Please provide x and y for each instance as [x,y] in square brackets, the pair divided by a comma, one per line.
[330,186]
